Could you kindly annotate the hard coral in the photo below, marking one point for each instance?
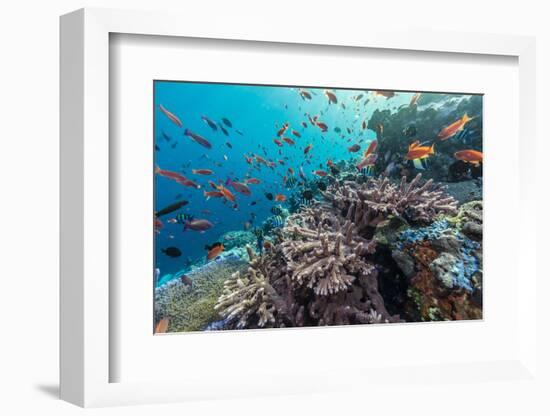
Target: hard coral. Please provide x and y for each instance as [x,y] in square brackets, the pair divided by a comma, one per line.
[368,204]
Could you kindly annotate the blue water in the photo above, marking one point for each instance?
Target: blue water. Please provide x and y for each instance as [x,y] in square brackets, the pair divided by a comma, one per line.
[258,112]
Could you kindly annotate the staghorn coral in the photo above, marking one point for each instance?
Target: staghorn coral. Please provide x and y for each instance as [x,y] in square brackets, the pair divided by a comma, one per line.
[372,202]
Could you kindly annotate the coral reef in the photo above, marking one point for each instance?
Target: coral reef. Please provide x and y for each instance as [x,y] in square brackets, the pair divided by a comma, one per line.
[191,307]
[368,204]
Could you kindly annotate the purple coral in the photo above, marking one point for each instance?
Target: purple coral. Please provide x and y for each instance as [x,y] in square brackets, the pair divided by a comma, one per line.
[368,204]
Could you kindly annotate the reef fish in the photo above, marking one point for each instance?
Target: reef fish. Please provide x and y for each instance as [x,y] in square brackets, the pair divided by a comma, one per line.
[198,138]
[202,172]
[227,122]
[210,123]
[371,149]
[173,118]
[386,94]
[239,187]
[307,149]
[417,151]
[171,208]
[171,251]
[280,198]
[354,148]
[214,250]
[474,157]
[414,99]
[198,225]
[304,94]
[453,128]
[331,97]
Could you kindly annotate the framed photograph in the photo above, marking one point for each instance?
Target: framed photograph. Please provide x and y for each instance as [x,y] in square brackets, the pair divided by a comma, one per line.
[230,215]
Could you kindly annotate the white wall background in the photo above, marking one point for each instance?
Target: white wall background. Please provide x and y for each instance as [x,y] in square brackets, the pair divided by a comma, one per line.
[29,56]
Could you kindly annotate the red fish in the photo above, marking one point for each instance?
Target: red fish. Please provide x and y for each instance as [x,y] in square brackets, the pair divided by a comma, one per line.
[239,187]
[295,133]
[278,142]
[322,126]
[198,225]
[177,177]
[281,161]
[372,148]
[212,185]
[282,130]
[173,118]
[474,157]
[364,125]
[291,171]
[354,148]
[253,181]
[158,225]
[454,127]
[248,159]
[288,140]
[198,138]
[226,193]
[321,173]
[280,198]
[370,160]
[261,160]
[212,194]
[330,163]
[304,124]
[202,172]
[214,250]
[307,149]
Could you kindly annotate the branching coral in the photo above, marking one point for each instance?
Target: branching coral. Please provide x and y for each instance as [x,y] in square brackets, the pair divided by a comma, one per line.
[368,204]
[248,298]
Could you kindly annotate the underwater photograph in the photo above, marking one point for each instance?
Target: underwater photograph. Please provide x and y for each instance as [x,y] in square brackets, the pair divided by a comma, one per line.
[295,206]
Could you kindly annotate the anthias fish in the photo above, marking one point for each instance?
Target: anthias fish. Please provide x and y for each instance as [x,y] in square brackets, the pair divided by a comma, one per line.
[288,140]
[227,122]
[386,94]
[202,172]
[280,198]
[417,151]
[226,193]
[453,128]
[239,187]
[414,99]
[171,208]
[212,194]
[171,116]
[474,157]
[282,130]
[372,148]
[198,138]
[354,148]
[295,133]
[304,94]
[307,149]
[252,181]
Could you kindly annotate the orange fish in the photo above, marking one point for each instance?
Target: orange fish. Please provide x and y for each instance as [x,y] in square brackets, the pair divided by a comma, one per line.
[414,99]
[253,181]
[307,149]
[474,157]
[212,194]
[288,140]
[226,193]
[162,326]
[173,118]
[331,97]
[416,151]
[454,127]
[330,163]
[321,173]
[372,148]
[214,250]
[295,133]
[277,142]
[202,172]
[212,185]
[280,198]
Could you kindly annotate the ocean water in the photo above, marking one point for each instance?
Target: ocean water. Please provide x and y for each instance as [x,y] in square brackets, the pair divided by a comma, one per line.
[395,120]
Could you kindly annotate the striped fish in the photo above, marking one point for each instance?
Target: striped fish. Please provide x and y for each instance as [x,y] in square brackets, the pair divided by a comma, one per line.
[183,218]
[277,221]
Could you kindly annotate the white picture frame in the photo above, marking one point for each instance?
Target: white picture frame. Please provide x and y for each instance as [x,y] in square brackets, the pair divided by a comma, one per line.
[85,212]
